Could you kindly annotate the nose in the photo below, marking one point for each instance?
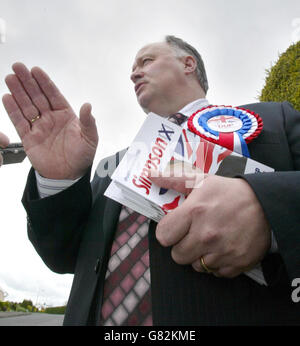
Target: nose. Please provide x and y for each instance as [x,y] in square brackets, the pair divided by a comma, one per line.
[136,75]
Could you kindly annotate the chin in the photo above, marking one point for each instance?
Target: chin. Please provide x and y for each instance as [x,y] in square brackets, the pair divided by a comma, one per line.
[145,110]
[147,107]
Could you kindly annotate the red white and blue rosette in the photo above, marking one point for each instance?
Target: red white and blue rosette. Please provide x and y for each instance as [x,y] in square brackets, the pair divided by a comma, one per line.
[227,126]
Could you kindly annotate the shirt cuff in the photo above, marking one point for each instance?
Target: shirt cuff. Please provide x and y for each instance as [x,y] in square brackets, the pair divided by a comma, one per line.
[257,275]
[49,187]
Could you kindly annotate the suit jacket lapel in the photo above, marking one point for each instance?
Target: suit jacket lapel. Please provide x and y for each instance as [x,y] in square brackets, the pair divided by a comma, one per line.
[112,208]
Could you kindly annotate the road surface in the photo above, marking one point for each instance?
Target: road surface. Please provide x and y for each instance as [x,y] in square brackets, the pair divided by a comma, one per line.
[30,319]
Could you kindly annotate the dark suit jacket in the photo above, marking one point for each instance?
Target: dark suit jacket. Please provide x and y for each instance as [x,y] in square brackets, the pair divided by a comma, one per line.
[73,233]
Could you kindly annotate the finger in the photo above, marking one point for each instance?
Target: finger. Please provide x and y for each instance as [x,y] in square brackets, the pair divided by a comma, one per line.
[25,104]
[54,96]
[220,259]
[171,182]
[198,266]
[16,116]
[173,226]
[182,183]
[32,88]
[187,250]
[218,272]
[189,247]
[4,140]
[88,124]
[228,272]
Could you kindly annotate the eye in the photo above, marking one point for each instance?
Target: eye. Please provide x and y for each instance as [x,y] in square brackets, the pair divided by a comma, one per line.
[146,60]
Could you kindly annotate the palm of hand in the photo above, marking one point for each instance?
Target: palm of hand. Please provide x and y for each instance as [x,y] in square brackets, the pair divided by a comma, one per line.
[58,143]
[57,147]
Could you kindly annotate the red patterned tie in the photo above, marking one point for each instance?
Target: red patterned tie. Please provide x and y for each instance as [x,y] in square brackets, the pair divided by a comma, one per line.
[127,299]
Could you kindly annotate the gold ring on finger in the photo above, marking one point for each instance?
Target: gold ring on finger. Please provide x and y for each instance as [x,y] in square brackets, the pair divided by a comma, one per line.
[204,266]
[35,118]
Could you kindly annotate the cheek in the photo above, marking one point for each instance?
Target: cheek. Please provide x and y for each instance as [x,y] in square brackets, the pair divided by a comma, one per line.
[166,82]
[161,79]
[168,75]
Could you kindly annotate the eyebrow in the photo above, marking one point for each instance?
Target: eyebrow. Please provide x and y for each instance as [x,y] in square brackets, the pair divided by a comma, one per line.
[150,55]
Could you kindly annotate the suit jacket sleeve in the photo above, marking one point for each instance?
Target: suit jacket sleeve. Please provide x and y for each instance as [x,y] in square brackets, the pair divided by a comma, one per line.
[279,195]
[55,224]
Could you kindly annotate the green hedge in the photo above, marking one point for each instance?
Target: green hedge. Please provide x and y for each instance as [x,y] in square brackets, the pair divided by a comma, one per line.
[56,310]
[25,306]
[283,78]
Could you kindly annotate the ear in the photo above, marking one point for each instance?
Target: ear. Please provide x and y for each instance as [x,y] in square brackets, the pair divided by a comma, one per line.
[190,64]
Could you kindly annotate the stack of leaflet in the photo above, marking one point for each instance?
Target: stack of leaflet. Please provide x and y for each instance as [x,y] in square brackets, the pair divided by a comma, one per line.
[163,146]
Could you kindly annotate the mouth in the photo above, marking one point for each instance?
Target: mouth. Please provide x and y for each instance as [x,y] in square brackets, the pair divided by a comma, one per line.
[138,87]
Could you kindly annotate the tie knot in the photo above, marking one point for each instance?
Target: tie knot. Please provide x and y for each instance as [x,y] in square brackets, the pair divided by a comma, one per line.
[177,118]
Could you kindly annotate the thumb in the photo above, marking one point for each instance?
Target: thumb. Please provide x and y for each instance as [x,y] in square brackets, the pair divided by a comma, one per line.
[184,183]
[4,140]
[88,123]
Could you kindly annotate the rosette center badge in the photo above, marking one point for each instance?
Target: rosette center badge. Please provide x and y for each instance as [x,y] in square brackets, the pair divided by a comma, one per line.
[224,123]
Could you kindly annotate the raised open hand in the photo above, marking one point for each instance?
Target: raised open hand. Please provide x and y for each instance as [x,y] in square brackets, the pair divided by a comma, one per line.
[58,144]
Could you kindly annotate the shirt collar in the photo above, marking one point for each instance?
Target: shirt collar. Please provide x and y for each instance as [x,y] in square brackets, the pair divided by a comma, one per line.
[194,106]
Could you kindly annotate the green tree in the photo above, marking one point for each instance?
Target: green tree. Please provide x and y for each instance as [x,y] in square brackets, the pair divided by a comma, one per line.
[283,78]
[25,303]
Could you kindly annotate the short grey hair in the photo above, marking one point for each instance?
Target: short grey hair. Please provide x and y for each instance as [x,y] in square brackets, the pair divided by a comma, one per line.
[181,48]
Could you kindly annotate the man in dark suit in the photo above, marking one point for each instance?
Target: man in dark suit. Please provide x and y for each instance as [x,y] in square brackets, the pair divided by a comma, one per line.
[225,228]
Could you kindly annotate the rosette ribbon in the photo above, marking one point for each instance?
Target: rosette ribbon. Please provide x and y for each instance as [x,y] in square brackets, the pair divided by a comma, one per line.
[227,126]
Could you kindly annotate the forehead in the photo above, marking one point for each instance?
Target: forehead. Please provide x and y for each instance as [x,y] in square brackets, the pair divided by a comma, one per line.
[158,48]
[154,49]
